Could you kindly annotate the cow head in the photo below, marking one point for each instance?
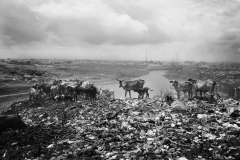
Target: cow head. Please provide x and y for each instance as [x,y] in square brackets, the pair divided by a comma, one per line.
[79,82]
[169,100]
[192,80]
[174,83]
[120,82]
[35,86]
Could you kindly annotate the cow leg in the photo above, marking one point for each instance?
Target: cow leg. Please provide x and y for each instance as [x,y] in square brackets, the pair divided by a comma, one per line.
[140,95]
[147,94]
[130,93]
[75,97]
[201,94]
[190,94]
[125,93]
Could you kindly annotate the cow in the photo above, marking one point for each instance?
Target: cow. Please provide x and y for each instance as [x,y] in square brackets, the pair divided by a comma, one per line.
[106,92]
[91,93]
[142,91]
[35,86]
[67,98]
[183,86]
[175,104]
[63,97]
[70,89]
[63,86]
[54,91]
[130,85]
[78,91]
[41,95]
[33,94]
[203,86]
[46,88]
[86,85]
[235,93]
[11,121]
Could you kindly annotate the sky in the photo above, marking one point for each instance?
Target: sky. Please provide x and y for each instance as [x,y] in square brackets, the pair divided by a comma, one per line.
[198,30]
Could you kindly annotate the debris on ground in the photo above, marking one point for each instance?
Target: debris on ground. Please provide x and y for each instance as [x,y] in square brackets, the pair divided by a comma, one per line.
[123,129]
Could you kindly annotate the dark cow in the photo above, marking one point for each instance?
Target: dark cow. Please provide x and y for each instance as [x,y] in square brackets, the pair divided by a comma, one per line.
[203,86]
[130,85]
[46,88]
[91,93]
[35,86]
[183,86]
[78,91]
[11,121]
[142,91]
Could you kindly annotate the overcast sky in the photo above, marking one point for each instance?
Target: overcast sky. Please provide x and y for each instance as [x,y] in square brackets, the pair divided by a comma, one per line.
[199,30]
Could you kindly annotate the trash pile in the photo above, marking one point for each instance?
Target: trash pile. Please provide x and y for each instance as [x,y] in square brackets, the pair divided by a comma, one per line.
[123,129]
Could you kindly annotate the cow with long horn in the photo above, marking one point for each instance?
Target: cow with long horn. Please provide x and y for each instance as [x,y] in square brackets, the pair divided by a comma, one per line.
[130,85]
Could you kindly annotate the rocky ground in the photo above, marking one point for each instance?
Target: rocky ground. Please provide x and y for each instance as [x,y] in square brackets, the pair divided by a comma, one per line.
[123,129]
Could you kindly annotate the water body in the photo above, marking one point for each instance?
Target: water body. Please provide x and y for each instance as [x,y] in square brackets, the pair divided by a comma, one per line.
[154,80]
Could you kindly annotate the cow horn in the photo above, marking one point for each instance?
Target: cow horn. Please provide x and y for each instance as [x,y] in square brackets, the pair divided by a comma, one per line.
[117,79]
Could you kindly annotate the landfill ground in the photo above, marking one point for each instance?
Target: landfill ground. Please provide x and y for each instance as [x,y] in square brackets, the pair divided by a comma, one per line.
[124,129]
[97,72]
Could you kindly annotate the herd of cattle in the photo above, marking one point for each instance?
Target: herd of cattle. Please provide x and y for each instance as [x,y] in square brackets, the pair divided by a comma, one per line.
[196,85]
[70,90]
[67,90]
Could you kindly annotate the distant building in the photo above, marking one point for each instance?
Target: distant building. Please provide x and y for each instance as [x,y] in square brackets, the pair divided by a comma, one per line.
[202,63]
[189,62]
[233,75]
[204,66]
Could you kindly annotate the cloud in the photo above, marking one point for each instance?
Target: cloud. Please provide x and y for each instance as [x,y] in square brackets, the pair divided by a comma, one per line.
[119,29]
[19,25]
[92,22]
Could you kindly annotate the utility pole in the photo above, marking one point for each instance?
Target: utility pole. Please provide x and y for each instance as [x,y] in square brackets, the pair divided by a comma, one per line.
[177,57]
[146,55]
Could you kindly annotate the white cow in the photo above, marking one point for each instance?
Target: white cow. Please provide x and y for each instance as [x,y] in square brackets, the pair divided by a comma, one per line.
[54,90]
[87,85]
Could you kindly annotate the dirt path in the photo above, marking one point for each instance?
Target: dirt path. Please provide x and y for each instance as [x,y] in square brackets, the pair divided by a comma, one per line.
[9,95]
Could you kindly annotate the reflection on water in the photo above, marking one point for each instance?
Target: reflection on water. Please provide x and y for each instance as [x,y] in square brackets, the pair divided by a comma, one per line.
[154,80]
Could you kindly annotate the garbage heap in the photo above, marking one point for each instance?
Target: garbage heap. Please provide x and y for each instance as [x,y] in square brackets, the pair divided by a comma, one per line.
[124,129]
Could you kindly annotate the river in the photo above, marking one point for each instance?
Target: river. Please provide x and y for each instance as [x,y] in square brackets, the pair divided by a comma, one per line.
[154,80]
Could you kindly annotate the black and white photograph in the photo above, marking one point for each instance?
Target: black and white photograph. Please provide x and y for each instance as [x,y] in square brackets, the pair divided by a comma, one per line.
[119,79]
